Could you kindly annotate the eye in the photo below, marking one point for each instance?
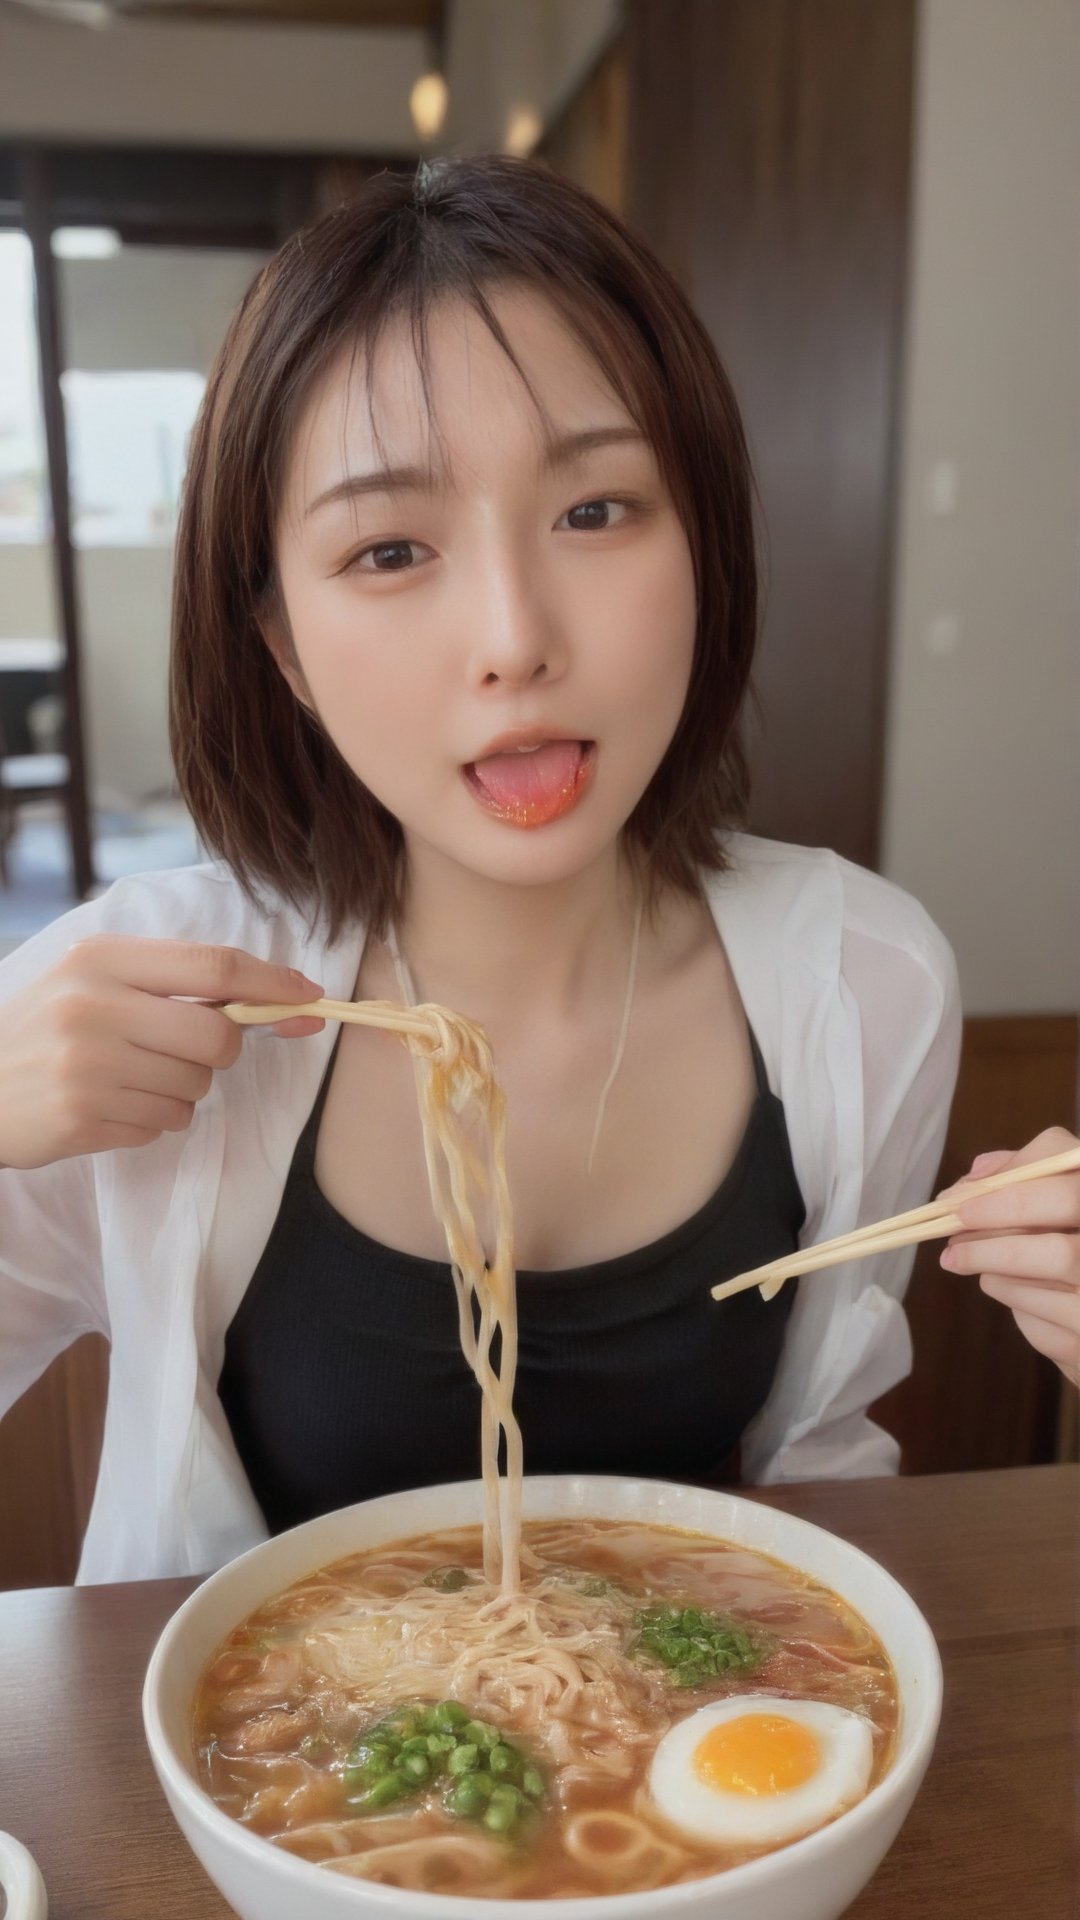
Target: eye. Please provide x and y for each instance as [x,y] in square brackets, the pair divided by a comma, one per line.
[596,516]
[387,556]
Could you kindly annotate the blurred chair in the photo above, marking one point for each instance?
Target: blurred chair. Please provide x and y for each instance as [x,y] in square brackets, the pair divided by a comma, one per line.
[31,716]
[25,777]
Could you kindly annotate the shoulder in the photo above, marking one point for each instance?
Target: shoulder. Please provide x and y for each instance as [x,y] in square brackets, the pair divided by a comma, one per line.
[812,902]
[202,903]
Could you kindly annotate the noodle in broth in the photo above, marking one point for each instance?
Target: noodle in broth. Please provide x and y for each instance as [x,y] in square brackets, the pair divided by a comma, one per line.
[555,1666]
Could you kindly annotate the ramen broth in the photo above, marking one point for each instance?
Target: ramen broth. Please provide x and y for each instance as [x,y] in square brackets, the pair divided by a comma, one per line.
[559,1675]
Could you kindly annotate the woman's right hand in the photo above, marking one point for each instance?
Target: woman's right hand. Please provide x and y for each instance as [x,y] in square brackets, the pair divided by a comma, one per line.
[111,1048]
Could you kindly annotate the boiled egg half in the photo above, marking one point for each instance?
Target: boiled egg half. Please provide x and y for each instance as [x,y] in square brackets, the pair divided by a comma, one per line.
[757,1769]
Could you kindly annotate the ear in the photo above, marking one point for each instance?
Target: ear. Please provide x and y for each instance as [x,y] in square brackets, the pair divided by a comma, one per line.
[275,632]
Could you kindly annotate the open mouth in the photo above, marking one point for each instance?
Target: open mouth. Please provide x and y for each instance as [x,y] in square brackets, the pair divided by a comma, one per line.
[531,786]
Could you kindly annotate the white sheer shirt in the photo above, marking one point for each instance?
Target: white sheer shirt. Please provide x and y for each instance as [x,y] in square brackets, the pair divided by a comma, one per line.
[851,991]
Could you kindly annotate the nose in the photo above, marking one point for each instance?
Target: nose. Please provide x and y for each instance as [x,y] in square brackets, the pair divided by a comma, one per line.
[516,633]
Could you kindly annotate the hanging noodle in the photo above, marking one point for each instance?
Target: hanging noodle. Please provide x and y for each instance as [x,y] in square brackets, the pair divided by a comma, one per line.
[463,1119]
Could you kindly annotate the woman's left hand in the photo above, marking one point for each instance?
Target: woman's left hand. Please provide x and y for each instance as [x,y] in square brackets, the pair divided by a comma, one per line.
[1024,1242]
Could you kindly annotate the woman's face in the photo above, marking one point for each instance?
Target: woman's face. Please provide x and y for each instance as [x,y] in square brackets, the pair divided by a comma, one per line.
[494,619]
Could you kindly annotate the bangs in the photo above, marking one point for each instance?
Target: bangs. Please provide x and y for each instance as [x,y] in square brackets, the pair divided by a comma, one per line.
[601,332]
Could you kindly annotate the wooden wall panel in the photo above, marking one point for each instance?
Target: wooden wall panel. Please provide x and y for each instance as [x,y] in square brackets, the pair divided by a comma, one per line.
[588,140]
[768,164]
[50,1444]
[979,1395]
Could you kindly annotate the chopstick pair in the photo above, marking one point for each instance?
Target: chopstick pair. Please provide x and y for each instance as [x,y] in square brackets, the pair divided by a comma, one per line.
[935,1221]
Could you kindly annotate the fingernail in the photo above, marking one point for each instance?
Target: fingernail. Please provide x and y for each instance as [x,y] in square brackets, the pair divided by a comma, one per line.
[982,1160]
[302,980]
[948,1259]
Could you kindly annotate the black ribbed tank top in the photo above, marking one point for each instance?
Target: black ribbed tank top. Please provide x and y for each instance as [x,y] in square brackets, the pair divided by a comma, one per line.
[344,1377]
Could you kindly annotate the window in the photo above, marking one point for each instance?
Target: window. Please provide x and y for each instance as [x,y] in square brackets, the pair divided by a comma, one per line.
[127,439]
[25,514]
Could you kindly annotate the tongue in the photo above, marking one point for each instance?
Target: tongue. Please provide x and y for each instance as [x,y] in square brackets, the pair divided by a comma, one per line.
[530,779]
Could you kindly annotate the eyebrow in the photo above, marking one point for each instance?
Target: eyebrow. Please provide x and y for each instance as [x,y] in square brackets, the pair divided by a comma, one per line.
[560,452]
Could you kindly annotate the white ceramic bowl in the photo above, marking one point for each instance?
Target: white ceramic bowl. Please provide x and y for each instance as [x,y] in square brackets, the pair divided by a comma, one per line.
[811,1879]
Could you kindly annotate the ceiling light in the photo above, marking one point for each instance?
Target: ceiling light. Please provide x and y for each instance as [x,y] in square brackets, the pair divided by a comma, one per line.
[523,129]
[427,104]
[85,243]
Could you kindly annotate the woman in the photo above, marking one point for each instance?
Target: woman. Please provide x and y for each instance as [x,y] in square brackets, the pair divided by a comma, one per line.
[465,610]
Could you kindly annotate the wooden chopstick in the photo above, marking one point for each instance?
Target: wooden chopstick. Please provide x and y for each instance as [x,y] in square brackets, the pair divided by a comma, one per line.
[361,1013]
[936,1221]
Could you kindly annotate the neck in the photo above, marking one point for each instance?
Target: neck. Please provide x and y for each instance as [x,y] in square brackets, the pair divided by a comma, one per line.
[490,949]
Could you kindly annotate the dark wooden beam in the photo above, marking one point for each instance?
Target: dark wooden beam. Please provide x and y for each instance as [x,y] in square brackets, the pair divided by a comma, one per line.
[37,218]
[179,196]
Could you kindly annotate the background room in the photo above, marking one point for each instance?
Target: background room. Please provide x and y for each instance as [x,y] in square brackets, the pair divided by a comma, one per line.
[874,210]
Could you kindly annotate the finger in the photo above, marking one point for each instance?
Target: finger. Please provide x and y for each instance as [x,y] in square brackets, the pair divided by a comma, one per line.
[1044,1319]
[1052,1202]
[188,1031]
[981,1167]
[112,1133]
[301,1029]
[153,1112]
[1044,1146]
[192,970]
[1025,1257]
[181,1030]
[146,1072]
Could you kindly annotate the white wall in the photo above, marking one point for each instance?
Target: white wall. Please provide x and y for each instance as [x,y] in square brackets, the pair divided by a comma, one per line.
[151,307]
[217,85]
[982,816]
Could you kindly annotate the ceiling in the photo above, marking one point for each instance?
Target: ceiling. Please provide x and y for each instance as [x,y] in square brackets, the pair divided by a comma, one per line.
[398,15]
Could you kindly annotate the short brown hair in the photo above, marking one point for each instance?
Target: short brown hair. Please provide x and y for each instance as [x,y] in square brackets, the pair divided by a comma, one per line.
[267,788]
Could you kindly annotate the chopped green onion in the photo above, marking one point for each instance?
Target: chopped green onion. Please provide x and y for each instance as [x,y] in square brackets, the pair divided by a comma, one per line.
[383,1793]
[499,1818]
[467,1799]
[697,1645]
[449,1579]
[486,1777]
[448,1716]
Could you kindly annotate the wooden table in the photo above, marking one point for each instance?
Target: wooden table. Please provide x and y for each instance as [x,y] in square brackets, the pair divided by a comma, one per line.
[991,1558]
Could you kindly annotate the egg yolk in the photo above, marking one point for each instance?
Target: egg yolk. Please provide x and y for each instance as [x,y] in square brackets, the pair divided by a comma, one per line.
[758,1753]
